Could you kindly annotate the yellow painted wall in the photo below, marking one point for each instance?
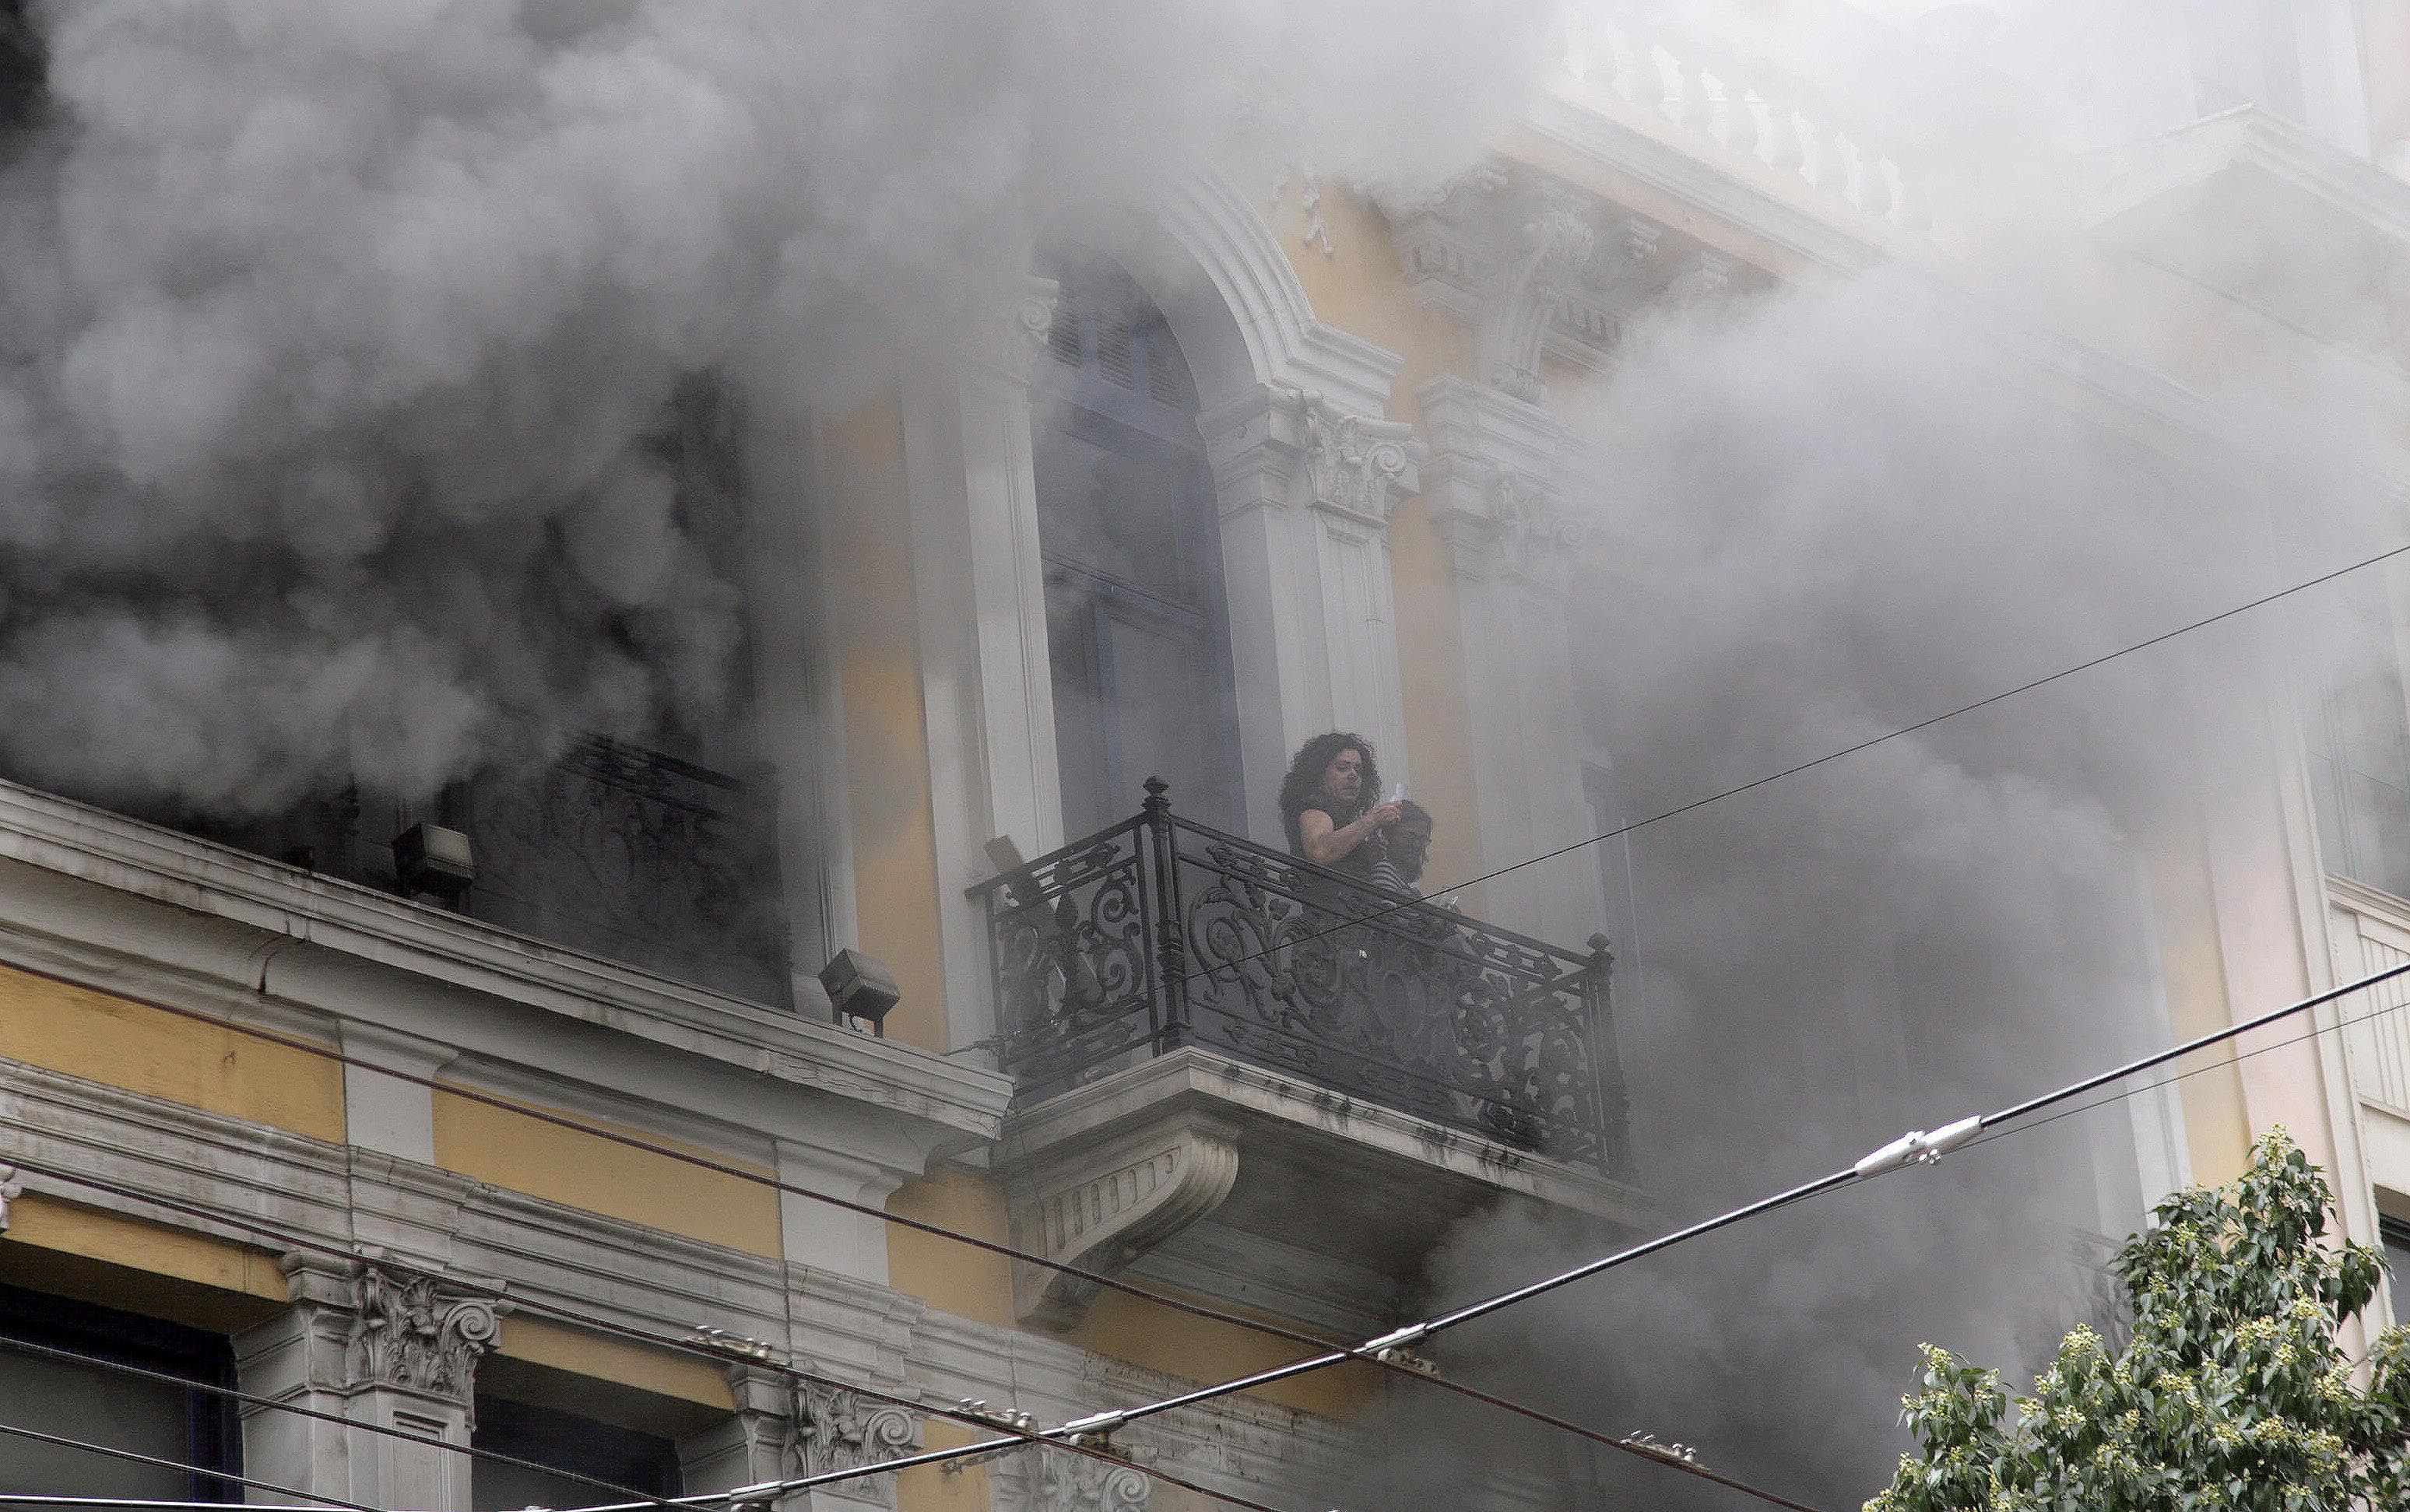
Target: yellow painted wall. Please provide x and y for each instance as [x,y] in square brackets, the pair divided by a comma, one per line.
[885,739]
[1358,287]
[68,1250]
[951,1276]
[946,1488]
[662,1390]
[122,1044]
[2217,1126]
[973,1284]
[561,1165]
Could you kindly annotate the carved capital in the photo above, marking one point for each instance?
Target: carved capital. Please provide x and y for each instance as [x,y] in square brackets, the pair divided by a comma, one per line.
[1021,335]
[1057,1480]
[840,1430]
[1101,1203]
[414,1334]
[1292,448]
[1506,480]
[1538,267]
[1358,466]
[11,1187]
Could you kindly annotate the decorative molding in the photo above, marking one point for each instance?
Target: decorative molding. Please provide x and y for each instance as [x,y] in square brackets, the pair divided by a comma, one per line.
[1101,1204]
[1504,483]
[1540,267]
[417,1336]
[11,1187]
[1218,227]
[1358,467]
[1048,1479]
[1295,448]
[840,1430]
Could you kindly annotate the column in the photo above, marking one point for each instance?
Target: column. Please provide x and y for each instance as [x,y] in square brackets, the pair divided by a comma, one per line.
[1306,491]
[1496,487]
[980,603]
[371,1345]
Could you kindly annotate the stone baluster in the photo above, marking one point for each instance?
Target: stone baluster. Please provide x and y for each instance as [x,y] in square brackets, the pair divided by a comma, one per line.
[1669,81]
[1625,79]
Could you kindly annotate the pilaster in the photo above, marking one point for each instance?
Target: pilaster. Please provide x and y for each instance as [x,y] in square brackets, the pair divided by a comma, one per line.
[369,1345]
[979,602]
[1306,489]
[1502,485]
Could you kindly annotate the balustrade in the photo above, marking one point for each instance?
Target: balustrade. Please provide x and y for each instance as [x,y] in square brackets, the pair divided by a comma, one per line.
[1158,932]
[1753,109]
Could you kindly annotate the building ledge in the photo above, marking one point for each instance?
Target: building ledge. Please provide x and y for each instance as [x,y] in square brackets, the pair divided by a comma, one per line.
[1260,1189]
[87,883]
[2327,237]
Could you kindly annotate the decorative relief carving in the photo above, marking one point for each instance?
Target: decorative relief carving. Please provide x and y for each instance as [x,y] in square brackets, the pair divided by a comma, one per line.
[11,1187]
[1356,465]
[1102,1204]
[414,1335]
[1058,1480]
[840,1430]
[1538,536]
[1538,267]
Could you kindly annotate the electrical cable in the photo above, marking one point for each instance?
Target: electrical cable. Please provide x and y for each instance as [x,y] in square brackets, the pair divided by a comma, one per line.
[1810,765]
[251,1399]
[60,1441]
[1916,1147]
[1177,1304]
[1017,1437]
[1397,1339]
[719,1355]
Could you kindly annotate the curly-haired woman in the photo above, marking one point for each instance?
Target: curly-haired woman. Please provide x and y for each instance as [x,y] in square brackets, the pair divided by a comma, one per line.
[1327,803]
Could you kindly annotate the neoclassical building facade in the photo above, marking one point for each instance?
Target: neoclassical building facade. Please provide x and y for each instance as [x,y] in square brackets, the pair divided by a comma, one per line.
[524,1121]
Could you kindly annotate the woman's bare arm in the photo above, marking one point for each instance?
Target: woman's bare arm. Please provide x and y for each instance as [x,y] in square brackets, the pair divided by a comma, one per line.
[1325,843]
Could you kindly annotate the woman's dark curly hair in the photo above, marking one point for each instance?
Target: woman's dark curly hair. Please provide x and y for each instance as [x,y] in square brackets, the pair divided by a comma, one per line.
[1303,784]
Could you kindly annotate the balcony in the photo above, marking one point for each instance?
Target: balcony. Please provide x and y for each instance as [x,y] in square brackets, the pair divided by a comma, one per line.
[1174,1000]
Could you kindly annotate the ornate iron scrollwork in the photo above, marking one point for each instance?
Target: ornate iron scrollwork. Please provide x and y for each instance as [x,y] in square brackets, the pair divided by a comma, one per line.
[1394,1000]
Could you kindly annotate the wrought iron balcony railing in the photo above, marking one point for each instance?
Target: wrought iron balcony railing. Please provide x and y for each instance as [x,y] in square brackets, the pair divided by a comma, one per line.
[1158,932]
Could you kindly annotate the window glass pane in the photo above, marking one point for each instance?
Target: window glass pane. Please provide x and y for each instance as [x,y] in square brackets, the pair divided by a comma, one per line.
[2397,1250]
[98,1406]
[562,1441]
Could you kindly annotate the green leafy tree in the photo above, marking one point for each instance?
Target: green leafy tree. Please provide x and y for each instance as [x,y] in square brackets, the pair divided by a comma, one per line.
[2231,1392]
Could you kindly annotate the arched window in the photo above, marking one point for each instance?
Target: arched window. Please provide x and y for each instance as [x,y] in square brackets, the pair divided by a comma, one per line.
[1136,623]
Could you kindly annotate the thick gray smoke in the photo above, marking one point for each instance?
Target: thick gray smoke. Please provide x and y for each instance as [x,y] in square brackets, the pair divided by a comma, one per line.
[1836,512]
[340,339]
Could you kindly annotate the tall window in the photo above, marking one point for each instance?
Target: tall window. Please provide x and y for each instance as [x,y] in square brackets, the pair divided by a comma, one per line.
[81,1397]
[565,1442]
[2396,1236]
[2359,740]
[1136,619]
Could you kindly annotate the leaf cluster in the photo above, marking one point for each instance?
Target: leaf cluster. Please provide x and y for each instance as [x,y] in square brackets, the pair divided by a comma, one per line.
[2232,1392]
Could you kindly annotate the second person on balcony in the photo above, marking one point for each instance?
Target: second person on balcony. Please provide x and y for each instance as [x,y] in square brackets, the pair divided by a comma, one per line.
[1327,803]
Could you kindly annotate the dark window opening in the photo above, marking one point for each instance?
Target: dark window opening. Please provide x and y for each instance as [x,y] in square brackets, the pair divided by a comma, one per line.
[562,1441]
[2395,1236]
[655,846]
[1136,623]
[83,1400]
[2358,736]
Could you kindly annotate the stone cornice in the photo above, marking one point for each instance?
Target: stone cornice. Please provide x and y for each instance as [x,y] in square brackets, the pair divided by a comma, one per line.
[329,945]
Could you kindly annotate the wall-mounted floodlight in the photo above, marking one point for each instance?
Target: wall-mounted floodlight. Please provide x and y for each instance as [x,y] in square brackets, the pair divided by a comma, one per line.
[427,858]
[861,989]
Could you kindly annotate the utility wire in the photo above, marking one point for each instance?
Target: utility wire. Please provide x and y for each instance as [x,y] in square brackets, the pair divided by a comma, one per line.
[1371,1352]
[1016,1436]
[253,1400]
[1916,1147]
[1810,765]
[1395,1366]
[721,1356]
[37,1437]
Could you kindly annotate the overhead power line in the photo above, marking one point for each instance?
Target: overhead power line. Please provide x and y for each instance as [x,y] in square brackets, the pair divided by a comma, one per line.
[1393,1365]
[1916,1147]
[1015,1438]
[1812,763]
[60,1440]
[254,1399]
[1019,1437]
